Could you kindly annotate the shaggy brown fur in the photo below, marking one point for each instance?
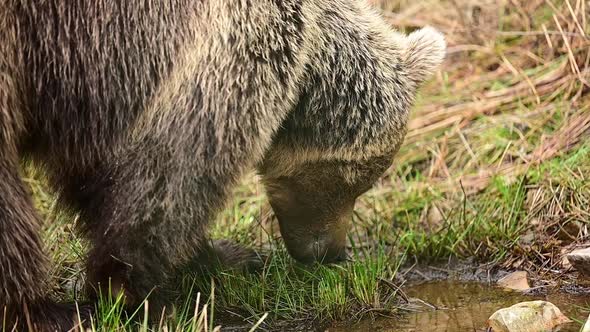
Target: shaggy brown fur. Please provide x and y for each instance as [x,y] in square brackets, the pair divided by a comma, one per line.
[145,114]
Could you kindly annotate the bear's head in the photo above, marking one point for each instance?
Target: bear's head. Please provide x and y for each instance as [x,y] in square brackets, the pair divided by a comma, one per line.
[340,139]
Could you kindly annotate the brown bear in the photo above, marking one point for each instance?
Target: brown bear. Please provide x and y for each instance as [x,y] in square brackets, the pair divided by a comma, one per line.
[145,114]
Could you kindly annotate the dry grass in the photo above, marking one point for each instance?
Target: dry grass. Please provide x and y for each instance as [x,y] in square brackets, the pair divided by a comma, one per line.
[518,82]
[516,66]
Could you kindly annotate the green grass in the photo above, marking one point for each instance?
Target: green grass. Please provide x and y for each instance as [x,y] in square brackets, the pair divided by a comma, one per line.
[292,291]
[192,316]
[486,226]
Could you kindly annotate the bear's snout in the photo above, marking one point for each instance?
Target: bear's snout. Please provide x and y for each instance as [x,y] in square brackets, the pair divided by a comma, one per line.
[322,249]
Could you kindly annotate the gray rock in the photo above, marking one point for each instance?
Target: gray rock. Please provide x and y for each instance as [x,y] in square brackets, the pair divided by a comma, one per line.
[587,326]
[516,281]
[533,316]
[580,260]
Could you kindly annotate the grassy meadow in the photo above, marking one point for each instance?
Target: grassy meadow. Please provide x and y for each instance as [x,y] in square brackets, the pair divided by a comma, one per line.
[495,170]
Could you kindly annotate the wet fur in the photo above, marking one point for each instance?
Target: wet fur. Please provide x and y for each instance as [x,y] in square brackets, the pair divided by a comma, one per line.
[145,115]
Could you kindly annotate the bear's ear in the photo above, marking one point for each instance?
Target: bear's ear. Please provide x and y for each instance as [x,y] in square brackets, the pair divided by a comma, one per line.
[424,52]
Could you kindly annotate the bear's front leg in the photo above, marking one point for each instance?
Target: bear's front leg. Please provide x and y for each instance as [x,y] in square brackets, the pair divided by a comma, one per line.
[212,118]
[24,301]
[227,254]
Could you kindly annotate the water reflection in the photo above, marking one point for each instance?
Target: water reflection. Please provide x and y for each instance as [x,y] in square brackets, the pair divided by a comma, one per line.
[448,306]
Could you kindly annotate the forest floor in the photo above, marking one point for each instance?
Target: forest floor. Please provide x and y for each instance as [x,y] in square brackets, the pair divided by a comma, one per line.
[495,171]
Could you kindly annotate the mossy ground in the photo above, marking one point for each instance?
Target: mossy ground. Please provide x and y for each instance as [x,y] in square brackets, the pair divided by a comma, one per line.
[496,169]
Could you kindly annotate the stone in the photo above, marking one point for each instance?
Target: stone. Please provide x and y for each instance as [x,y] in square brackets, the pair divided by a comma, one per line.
[587,325]
[580,260]
[533,316]
[516,281]
[435,218]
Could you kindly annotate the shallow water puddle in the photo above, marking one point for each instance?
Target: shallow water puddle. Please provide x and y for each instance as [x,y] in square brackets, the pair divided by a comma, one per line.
[448,306]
